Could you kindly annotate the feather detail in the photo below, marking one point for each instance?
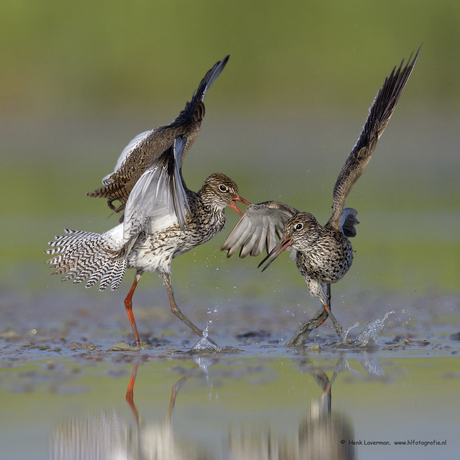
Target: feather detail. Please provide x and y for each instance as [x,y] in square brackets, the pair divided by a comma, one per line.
[88,256]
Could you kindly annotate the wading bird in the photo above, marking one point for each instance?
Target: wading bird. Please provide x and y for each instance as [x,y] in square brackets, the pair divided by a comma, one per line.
[163,219]
[323,254]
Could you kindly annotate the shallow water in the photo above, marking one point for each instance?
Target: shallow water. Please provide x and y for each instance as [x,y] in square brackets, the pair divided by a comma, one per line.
[66,367]
[76,399]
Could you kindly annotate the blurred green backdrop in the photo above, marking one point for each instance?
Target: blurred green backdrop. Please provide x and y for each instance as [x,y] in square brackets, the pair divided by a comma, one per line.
[78,80]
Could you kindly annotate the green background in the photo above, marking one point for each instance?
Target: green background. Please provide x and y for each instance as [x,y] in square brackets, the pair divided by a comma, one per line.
[78,80]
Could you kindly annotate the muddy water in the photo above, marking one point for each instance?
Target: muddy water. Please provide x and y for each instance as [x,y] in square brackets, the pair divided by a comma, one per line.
[76,389]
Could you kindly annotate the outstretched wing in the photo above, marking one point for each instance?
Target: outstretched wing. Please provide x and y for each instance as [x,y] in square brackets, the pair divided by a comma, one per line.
[159,197]
[379,115]
[133,144]
[258,228]
[193,109]
[143,149]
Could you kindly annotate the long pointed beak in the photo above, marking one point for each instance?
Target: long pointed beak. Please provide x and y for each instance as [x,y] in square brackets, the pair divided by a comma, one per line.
[235,207]
[275,252]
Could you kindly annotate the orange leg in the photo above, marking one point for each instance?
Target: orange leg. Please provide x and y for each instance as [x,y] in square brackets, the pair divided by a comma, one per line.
[130,393]
[129,308]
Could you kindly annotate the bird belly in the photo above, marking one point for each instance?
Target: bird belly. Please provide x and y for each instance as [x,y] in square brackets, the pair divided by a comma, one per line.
[153,252]
[156,251]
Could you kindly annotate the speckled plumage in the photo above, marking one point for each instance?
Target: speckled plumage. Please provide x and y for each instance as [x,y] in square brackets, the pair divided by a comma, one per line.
[149,245]
[90,256]
[323,254]
[155,251]
[140,153]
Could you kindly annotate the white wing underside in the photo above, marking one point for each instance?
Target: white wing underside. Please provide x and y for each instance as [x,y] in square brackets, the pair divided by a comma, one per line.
[133,144]
[158,200]
[258,229]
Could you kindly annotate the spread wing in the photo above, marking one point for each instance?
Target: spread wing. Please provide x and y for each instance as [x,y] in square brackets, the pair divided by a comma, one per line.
[159,197]
[143,149]
[258,228]
[379,115]
[133,144]
[193,109]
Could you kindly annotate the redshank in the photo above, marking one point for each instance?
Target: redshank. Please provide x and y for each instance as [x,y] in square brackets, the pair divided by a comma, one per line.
[141,151]
[163,219]
[323,254]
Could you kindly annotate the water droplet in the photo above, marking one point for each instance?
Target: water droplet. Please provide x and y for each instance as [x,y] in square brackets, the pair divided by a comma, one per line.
[371,332]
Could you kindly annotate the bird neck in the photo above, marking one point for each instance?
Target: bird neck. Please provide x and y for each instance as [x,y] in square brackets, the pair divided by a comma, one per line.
[207,205]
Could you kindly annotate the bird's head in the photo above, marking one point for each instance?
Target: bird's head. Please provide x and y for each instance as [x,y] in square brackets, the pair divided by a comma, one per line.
[300,231]
[220,191]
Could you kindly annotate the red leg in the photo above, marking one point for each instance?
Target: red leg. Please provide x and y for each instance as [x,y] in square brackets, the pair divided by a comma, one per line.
[130,393]
[129,308]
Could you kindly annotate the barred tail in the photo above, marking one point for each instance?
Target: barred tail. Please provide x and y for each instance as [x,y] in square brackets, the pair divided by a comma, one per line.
[88,256]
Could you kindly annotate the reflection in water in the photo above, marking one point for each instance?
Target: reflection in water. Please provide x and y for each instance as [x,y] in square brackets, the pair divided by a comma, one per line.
[107,436]
[321,434]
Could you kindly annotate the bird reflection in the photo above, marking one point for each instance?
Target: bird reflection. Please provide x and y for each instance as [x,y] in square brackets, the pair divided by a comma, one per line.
[320,434]
[108,437]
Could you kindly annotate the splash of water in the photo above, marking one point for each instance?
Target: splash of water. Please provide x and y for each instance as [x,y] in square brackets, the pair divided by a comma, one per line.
[204,345]
[343,337]
[370,333]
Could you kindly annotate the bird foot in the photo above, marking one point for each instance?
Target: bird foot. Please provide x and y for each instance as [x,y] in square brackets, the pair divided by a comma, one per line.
[304,331]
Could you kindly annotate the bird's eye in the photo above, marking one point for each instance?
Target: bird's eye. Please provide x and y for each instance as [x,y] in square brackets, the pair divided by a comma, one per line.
[223,188]
[298,227]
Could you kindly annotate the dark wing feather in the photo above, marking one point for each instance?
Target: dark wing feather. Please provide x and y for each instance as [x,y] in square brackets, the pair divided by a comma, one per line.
[141,151]
[377,120]
[192,109]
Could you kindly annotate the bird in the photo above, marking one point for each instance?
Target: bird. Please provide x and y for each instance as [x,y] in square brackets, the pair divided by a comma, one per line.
[163,219]
[144,148]
[323,254]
